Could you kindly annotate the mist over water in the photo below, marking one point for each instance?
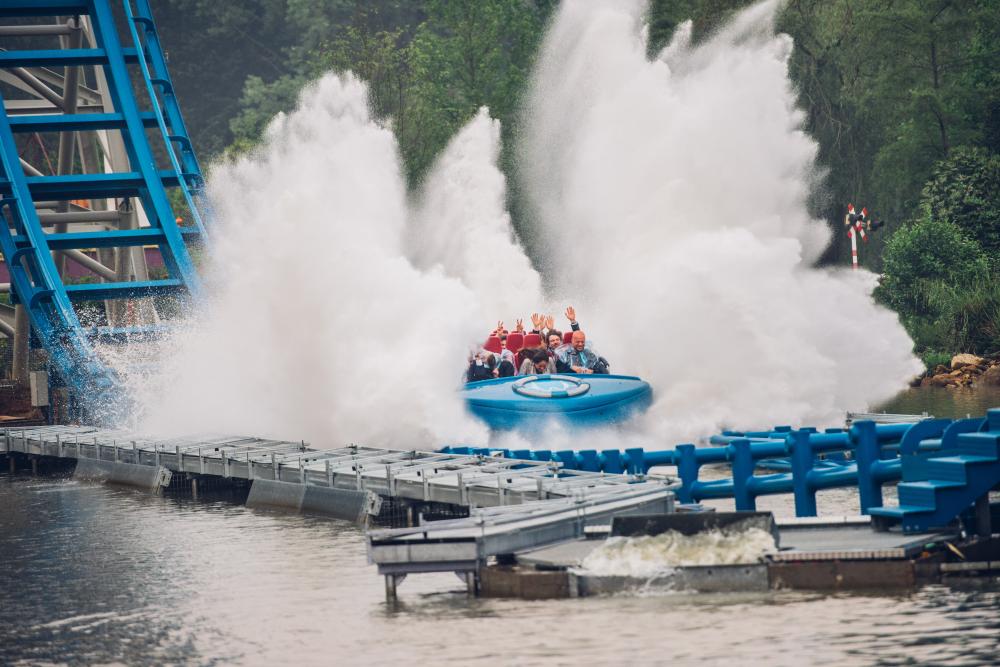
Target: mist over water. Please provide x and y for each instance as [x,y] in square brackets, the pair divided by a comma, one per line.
[318,327]
[669,206]
[460,223]
[669,197]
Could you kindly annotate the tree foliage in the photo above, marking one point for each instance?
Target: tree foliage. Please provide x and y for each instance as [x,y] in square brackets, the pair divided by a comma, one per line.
[924,253]
[965,189]
[890,90]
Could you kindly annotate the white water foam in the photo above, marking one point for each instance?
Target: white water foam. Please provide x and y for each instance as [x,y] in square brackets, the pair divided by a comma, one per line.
[460,223]
[317,326]
[656,555]
[670,197]
[670,201]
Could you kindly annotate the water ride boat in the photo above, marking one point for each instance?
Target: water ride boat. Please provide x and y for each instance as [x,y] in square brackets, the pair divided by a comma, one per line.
[578,401]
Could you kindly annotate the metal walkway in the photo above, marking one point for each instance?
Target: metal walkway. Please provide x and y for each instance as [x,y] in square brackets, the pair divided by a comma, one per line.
[465,545]
[65,73]
[514,504]
[467,481]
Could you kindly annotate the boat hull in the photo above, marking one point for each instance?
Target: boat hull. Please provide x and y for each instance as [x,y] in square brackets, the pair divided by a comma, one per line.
[577,401]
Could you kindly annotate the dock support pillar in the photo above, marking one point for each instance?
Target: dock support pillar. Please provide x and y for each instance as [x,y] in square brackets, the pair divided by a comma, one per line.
[392,582]
[471,584]
[984,529]
[13,464]
[34,466]
[194,488]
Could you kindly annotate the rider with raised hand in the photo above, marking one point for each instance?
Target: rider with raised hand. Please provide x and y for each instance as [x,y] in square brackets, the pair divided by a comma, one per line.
[577,357]
[571,316]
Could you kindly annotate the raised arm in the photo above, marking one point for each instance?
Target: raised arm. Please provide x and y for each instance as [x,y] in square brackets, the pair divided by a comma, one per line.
[571,316]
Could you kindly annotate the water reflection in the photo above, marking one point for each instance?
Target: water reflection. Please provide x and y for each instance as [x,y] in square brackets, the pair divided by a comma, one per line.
[98,575]
[945,403]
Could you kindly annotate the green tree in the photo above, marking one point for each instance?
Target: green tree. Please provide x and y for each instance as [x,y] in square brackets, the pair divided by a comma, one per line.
[468,53]
[889,89]
[922,255]
[965,189]
[211,48]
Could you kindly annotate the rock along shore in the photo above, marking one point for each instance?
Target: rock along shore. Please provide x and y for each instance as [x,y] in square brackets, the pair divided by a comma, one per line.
[965,370]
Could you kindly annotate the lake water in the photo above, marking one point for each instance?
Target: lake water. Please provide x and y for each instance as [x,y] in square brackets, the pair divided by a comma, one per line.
[97,575]
[941,402]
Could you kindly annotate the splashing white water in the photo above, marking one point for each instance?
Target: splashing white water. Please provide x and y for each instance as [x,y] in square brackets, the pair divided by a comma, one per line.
[671,208]
[653,555]
[670,200]
[461,223]
[317,326]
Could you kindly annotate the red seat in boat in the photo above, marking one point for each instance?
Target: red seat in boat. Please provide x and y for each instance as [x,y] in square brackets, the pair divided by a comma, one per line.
[493,345]
[515,341]
[567,338]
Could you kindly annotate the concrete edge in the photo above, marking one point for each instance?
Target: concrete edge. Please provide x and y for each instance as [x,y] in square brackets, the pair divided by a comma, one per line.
[310,499]
[148,478]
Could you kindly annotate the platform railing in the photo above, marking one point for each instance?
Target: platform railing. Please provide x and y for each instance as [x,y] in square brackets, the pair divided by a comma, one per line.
[876,454]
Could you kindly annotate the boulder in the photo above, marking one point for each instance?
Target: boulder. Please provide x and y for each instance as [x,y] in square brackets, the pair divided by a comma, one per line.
[941,380]
[991,378]
[965,360]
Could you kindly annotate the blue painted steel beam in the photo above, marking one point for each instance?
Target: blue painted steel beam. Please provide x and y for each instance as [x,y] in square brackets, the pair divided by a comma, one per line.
[36,282]
[52,58]
[34,279]
[102,291]
[83,122]
[158,64]
[154,197]
[169,119]
[109,239]
[93,186]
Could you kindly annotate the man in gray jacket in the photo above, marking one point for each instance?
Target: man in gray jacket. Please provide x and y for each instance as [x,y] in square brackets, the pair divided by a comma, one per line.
[576,358]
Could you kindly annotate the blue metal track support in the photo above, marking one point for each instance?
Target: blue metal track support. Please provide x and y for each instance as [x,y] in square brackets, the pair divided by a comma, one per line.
[153,195]
[27,248]
[36,284]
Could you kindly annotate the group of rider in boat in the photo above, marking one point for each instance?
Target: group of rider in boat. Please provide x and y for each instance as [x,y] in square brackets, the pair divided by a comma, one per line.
[543,350]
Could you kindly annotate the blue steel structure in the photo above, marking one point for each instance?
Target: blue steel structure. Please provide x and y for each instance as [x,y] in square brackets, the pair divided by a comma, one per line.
[945,466]
[27,247]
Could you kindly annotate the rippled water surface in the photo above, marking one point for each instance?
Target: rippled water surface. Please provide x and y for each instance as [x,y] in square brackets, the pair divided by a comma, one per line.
[946,403]
[93,574]
[97,575]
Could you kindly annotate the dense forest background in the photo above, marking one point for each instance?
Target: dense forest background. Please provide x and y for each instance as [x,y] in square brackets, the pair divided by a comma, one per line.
[903,97]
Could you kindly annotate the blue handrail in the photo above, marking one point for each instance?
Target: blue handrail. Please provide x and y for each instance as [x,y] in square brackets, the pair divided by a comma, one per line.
[869,442]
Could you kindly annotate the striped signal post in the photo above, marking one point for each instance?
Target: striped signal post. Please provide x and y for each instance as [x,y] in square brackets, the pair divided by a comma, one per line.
[858,224]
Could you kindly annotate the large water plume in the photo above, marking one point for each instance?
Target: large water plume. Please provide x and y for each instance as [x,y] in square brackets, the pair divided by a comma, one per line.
[317,326]
[670,200]
[460,223]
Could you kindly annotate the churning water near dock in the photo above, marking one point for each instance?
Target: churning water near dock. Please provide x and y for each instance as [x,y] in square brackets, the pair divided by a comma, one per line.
[94,574]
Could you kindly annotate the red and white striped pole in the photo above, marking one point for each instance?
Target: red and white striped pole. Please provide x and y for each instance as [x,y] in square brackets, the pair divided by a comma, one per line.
[854,248]
[855,224]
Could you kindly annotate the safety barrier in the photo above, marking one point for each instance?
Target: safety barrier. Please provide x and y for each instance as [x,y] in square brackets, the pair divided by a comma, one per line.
[876,451]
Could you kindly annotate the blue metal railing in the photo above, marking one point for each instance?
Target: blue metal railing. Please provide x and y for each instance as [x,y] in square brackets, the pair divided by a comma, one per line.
[878,450]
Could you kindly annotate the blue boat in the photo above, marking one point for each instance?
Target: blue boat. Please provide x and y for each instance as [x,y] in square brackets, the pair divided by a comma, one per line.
[527,402]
